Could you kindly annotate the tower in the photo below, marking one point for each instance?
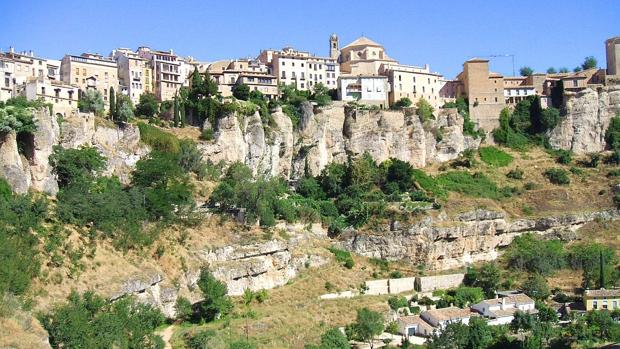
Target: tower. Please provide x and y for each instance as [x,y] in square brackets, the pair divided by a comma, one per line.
[334,47]
[612,48]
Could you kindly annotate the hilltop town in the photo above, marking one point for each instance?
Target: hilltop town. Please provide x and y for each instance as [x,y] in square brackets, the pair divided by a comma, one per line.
[359,72]
[292,200]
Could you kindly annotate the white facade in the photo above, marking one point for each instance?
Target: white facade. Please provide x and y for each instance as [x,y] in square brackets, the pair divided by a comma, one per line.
[440,318]
[365,89]
[63,97]
[7,84]
[132,73]
[500,311]
[166,72]
[415,83]
[301,68]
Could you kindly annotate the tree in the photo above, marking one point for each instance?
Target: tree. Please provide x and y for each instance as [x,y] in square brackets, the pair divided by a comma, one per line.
[577,69]
[563,70]
[557,94]
[487,278]
[72,165]
[612,134]
[536,287]
[332,339]
[396,302]
[321,95]
[403,103]
[368,324]
[590,257]
[424,110]
[454,336]
[91,101]
[216,302]
[112,104]
[147,106]
[480,333]
[551,70]
[183,308]
[522,321]
[526,71]
[241,91]
[124,108]
[589,63]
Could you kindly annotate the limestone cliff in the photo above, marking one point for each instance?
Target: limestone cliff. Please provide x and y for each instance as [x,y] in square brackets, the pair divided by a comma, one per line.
[588,112]
[329,134]
[27,165]
[443,243]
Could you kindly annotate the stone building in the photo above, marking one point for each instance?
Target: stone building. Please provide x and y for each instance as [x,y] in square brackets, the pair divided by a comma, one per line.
[301,68]
[167,74]
[255,74]
[62,96]
[135,74]
[363,57]
[484,91]
[612,50]
[91,72]
[414,83]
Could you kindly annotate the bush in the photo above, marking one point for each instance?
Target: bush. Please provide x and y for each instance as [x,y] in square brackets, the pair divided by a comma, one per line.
[516,173]
[424,110]
[397,302]
[531,254]
[207,134]
[494,156]
[612,134]
[73,165]
[183,308]
[343,256]
[557,176]
[158,139]
[563,157]
[89,321]
[216,302]
[403,103]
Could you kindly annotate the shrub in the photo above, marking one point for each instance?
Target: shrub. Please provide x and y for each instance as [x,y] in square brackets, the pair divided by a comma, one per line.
[528,253]
[158,139]
[397,302]
[216,301]
[89,321]
[396,274]
[403,103]
[343,256]
[516,173]
[72,165]
[424,110]
[183,308]
[564,157]
[207,134]
[494,156]
[557,176]
[476,185]
[612,135]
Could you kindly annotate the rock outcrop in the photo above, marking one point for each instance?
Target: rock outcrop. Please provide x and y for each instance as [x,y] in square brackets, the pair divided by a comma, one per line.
[148,289]
[467,238]
[588,113]
[24,158]
[330,134]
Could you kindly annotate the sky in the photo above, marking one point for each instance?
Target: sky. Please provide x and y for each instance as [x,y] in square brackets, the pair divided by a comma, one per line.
[443,34]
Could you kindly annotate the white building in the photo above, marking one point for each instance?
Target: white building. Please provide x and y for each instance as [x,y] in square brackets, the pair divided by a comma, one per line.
[166,67]
[440,318]
[366,89]
[414,325]
[300,68]
[415,83]
[7,70]
[134,73]
[62,96]
[500,311]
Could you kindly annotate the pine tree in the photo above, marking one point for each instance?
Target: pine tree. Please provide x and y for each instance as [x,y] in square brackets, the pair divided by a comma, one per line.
[112,104]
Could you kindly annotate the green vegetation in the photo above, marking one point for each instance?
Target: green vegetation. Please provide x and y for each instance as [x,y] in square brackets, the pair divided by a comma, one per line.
[403,103]
[469,127]
[89,321]
[486,277]
[589,63]
[516,173]
[343,257]
[534,255]
[494,156]
[526,71]
[461,297]
[424,110]
[332,339]
[216,303]
[158,139]
[91,101]
[16,114]
[397,302]
[241,91]
[368,324]
[557,176]
[526,125]
[147,106]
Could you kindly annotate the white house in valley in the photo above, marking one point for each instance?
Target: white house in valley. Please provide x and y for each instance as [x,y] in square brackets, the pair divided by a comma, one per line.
[501,311]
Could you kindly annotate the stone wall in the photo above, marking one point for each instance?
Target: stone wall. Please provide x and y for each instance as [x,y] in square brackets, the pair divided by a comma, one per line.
[467,238]
[439,282]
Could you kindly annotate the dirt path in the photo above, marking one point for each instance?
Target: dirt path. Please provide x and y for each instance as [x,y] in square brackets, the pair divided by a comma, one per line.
[166,335]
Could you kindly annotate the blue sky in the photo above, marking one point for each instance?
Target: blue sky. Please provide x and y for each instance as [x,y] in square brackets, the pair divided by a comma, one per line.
[441,33]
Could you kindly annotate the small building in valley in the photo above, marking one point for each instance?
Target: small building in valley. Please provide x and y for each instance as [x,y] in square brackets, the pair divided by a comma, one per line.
[601,299]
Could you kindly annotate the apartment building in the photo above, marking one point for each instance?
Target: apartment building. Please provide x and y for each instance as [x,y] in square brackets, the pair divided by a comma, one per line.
[254,73]
[300,68]
[91,72]
[414,83]
[135,74]
[166,67]
[365,89]
[7,71]
[62,96]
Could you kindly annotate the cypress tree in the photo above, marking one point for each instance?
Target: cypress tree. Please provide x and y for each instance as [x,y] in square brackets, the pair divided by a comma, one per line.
[602,270]
[112,104]
[176,111]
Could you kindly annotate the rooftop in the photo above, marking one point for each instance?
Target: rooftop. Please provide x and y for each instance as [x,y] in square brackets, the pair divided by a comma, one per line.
[362,41]
[518,299]
[602,293]
[450,313]
[414,320]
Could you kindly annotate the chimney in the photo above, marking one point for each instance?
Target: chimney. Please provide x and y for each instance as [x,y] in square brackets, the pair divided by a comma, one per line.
[11,49]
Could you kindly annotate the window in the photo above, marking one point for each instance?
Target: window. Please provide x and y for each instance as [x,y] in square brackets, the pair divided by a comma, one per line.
[302,85]
[83,71]
[303,75]
[615,304]
[283,75]
[302,65]
[7,82]
[57,93]
[283,63]
[293,64]
[77,71]
[43,90]
[575,83]
[423,89]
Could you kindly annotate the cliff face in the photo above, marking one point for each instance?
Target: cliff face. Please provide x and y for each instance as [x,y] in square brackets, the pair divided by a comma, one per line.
[588,113]
[328,134]
[444,243]
[29,167]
